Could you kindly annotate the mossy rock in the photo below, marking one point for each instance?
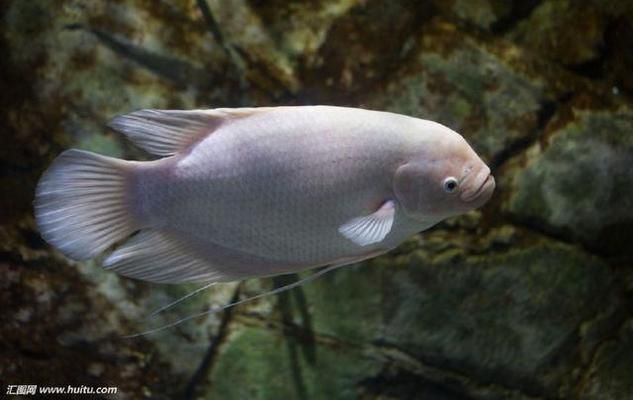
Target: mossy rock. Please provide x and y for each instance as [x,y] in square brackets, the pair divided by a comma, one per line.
[580,182]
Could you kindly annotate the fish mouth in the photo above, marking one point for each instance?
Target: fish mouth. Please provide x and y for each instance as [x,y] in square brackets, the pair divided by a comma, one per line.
[484,189]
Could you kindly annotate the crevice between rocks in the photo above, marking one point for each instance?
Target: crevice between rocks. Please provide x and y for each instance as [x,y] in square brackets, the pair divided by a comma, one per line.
[560,235]
[397,384]
[520,10]
[546,112]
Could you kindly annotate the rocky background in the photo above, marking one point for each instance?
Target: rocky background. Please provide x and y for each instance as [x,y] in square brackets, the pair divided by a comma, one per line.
[529,298]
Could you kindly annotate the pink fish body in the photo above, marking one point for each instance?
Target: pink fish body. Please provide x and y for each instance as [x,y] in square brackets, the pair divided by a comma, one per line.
[252,192]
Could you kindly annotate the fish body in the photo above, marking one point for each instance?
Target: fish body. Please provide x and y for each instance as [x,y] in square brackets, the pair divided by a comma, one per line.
[258,191]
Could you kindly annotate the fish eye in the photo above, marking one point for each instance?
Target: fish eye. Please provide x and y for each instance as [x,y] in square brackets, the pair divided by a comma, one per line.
[450,184]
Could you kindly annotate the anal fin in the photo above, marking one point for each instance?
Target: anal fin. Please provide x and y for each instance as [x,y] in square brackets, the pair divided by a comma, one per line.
[154,256]
[162,256]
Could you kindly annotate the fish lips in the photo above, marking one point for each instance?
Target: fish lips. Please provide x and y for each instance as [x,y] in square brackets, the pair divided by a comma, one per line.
[483,191]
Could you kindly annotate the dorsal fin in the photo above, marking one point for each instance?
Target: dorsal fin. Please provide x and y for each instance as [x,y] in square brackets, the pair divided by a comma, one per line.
[166,132]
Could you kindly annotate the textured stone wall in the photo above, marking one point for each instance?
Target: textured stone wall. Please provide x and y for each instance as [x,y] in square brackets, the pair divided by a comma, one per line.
[527,298]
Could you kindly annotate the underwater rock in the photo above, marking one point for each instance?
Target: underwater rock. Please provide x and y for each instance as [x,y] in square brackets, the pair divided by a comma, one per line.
[360,50]
[568,32]
[56,330]
[577,181]
[508,318]
[453,78]
[610,375]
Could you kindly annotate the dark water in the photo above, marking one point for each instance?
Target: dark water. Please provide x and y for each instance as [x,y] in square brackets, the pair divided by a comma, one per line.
[529,297]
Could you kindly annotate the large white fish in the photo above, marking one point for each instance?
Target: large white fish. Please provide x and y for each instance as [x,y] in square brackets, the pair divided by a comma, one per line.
[258,191]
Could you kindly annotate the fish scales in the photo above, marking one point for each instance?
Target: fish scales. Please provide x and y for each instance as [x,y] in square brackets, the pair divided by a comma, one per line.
[286,194]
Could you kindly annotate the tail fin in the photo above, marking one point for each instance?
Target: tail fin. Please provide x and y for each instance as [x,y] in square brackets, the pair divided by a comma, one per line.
[81,203]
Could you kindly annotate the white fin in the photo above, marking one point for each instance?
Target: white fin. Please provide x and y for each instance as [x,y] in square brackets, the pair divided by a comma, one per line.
[154,256]
[167,132]
[372,228]
[181,299]
[81,204]
[212,310]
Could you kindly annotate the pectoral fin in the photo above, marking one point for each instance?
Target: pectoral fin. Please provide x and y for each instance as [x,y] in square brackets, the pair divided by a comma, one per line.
[372,228]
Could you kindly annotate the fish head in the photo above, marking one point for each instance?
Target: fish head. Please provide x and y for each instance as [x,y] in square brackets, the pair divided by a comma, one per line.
[443,179]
